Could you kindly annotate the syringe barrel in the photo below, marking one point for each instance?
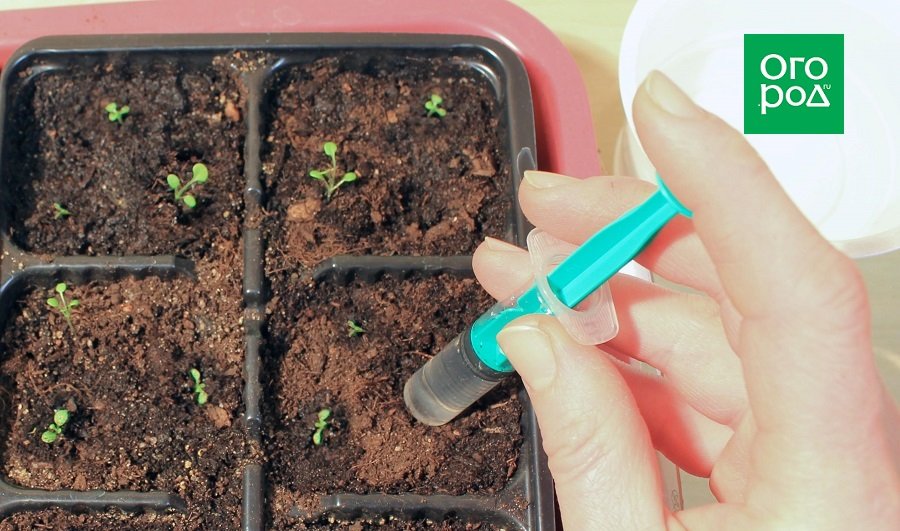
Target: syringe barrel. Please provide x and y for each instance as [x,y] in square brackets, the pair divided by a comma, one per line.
[449,383]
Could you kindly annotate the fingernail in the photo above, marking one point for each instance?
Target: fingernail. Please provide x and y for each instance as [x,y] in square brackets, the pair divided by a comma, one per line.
[530,351]
[499,245]
[669,97]
[544,179]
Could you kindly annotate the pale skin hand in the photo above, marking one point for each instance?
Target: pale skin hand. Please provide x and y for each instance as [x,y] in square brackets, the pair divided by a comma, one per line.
[770,389]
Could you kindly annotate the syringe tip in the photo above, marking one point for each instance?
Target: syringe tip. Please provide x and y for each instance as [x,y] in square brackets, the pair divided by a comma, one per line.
[448,384]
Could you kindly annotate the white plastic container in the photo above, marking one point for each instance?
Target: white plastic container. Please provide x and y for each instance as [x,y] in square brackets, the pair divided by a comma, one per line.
[848,185]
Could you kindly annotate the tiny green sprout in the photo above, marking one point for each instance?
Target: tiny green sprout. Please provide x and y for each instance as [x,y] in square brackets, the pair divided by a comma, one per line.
[59,211]
[55,429]
[355,329]
[60,303]
[115,112]
[199,175]
[322,422]
[328,176]
[433,106]
[199,387]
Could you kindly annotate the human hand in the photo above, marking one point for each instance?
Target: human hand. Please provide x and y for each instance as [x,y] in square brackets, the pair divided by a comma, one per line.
[770,387]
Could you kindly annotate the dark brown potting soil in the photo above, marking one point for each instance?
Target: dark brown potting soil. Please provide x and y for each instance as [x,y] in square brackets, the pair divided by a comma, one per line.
[426,185]
[122,372]
[111,176]
[56,520]
[114,520]
[373,444]
[395,524]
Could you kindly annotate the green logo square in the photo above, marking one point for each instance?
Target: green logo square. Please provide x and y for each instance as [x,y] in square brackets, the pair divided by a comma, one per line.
[794,84]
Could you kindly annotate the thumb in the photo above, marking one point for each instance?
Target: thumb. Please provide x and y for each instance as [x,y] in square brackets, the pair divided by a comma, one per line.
[598,446]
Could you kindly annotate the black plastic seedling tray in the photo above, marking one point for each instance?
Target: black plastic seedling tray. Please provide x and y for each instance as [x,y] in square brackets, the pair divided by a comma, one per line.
[526,503]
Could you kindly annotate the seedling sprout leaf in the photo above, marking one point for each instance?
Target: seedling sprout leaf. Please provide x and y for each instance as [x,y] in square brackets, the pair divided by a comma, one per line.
[200,394]
[60,417]
[200,173]
[59,211]
[433,106]
[60,303]
[321,423]
[54,430]
[355,329]
[116,113]
[329,176]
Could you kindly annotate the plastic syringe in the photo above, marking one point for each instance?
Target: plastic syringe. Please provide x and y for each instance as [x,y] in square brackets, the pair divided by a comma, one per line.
[473,363]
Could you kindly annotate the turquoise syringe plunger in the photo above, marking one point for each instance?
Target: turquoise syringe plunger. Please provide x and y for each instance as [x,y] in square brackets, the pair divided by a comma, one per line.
[473,363]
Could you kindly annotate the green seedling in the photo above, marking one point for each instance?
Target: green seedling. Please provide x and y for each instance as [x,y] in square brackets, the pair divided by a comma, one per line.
[199,175]
[322,422]
[55,429]
[355,329]
[59,211]
[199,387]
[116,113]
[60,303]
[328,176]
[433,106]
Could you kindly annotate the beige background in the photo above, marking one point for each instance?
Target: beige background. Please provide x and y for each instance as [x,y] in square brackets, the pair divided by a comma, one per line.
[592,31]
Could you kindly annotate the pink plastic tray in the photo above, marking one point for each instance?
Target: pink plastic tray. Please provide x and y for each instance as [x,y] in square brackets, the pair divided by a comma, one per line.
[565,134]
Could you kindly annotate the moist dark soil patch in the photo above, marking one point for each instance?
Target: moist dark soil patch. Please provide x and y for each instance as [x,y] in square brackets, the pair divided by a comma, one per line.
[392,524]
[426,185]
[112,176]
[374,445]
[56,519]
[115,520]
[123,374]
